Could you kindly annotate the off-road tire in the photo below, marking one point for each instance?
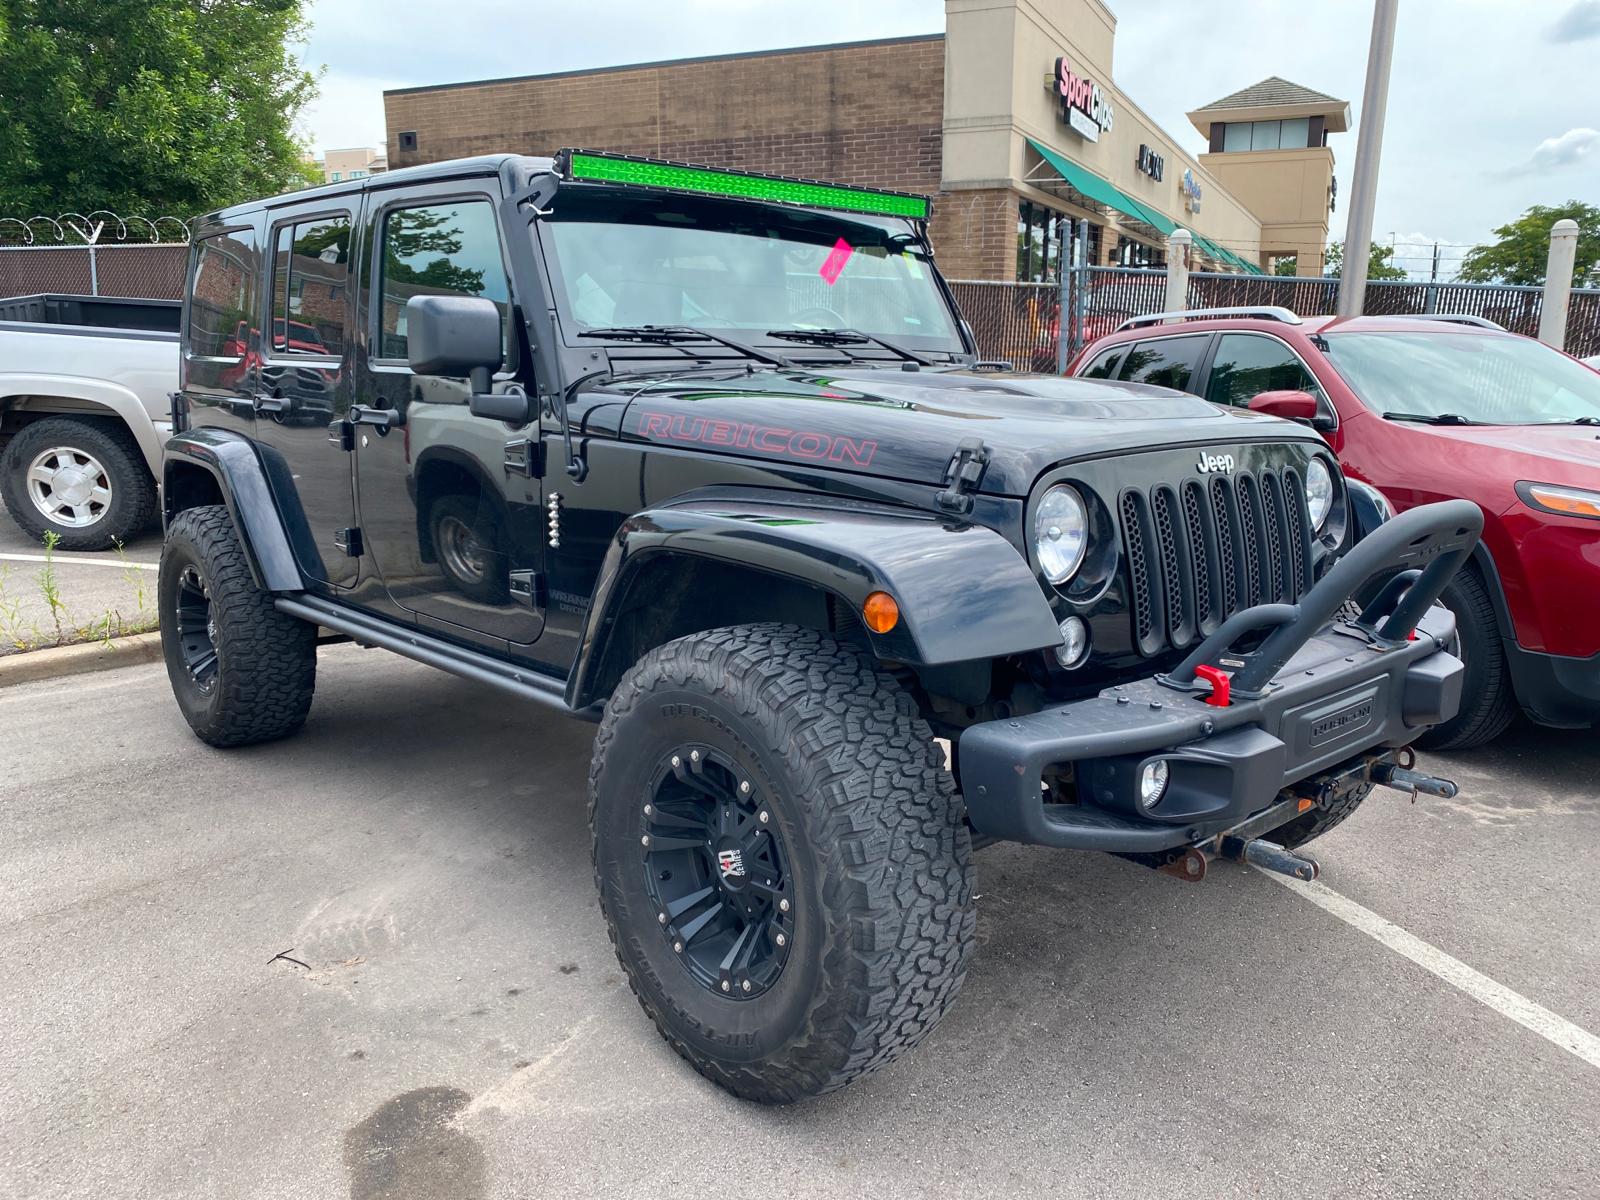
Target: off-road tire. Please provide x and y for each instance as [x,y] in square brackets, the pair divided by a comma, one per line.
[1488,702]
[874,829]
[266,661]
[133,491]
[1318,821]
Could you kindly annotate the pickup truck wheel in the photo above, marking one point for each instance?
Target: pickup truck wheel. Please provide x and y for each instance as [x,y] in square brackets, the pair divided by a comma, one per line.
[782,859]
[79,480]
[1488,702]
[464,541]
[242,671]
[1318,821]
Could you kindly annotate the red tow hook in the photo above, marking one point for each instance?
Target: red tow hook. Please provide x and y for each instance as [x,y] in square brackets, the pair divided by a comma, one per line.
[1221,685]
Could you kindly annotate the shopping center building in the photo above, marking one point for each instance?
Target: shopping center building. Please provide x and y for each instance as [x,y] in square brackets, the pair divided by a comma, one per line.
[1010,118]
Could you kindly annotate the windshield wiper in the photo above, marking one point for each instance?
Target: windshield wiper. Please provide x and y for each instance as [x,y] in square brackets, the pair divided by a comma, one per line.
[847,337]
[1573,421]
[1432,419]
[668,335]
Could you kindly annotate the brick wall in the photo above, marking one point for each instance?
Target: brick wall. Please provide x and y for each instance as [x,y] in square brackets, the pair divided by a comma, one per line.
[868,114]
[974,234]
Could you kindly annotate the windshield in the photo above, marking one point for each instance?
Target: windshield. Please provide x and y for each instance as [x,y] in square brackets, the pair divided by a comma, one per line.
[1488,380]
[626,259]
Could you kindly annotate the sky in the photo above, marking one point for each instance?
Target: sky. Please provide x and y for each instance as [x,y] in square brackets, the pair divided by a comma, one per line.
[1491,106]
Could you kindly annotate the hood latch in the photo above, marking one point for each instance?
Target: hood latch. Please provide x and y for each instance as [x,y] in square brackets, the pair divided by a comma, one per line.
[964,476]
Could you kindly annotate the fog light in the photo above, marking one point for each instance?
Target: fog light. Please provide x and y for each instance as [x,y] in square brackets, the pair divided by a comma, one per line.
[1153,778]
[1074,646]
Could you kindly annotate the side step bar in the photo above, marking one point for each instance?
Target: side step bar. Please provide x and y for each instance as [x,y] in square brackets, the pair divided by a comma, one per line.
[424,648]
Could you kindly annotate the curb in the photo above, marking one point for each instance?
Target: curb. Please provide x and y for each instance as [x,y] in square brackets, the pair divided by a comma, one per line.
[80,659]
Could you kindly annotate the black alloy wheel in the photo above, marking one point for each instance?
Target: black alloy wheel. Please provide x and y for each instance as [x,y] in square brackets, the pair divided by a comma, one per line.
[196,629]
[716,870]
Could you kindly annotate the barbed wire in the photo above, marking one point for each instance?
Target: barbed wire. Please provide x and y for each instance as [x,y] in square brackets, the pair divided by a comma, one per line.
[102,227]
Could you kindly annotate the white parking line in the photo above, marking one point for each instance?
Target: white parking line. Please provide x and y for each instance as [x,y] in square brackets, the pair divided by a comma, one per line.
[81,562]
[1554,1029]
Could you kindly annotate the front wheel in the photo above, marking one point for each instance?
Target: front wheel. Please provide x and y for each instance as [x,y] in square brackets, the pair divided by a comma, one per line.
[1488,703]
[241,671]
[782,858]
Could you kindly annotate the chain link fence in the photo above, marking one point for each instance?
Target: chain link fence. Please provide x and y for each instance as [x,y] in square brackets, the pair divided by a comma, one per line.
[1020,322]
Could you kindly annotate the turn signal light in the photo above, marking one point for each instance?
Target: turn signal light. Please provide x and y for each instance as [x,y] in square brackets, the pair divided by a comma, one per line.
[1570,502]
[880,612]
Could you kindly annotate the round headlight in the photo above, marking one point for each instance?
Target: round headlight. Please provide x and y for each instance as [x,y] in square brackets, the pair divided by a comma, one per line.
[1060,533]
[1319,492]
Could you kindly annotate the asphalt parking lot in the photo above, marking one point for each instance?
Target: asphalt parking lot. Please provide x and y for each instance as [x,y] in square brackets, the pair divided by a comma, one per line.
[449,1020]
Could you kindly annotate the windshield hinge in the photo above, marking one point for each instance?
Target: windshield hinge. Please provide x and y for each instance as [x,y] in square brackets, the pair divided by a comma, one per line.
[963,476]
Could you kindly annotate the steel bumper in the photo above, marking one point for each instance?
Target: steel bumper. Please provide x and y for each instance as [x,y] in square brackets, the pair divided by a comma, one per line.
[1311,694]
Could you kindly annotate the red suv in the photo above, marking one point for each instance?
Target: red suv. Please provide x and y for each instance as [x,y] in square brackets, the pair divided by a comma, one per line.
[1423,409]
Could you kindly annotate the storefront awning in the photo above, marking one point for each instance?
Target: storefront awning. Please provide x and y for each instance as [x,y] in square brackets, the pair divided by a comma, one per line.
[1102,191]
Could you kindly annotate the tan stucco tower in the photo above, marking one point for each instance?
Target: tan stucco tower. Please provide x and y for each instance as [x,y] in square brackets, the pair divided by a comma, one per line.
[1269,147]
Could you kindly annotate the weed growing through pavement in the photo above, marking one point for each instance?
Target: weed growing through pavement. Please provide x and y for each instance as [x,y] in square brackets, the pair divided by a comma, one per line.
[19,632]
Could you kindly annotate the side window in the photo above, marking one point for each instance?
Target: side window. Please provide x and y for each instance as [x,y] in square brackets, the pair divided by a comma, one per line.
[1165,362]
[1247,365]
[310,275]
[450,249]
[1105,364]
[219,302]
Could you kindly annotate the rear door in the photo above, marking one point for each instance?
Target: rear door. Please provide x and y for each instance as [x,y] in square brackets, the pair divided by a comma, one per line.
[221,320]
[304,383]
[451,520]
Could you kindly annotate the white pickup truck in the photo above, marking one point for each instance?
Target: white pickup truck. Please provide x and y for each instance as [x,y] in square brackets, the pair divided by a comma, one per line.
[85,386]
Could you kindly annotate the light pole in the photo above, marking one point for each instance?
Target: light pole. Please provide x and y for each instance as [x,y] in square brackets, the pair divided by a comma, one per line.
[1369,146]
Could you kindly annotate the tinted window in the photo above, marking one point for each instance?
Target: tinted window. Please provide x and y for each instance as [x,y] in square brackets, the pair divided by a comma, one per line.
[1168,362]
[219,305]
[310,272]
[448,249]
[1246,365]
[1105,364]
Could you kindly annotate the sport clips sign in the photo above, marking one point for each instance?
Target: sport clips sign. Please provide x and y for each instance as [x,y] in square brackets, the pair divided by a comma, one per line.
[1084,104]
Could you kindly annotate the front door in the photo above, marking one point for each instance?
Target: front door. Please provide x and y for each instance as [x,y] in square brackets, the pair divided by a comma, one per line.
[303,383]
[451,523]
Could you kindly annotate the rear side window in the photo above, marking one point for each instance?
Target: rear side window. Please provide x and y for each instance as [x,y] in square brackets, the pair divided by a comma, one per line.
[310,280]
[1165,362]
[219,302]
[1247,364]
[450,249]
[1104,365]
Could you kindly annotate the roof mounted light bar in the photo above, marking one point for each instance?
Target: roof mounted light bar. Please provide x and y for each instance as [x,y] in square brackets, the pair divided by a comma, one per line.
[590,166]
[1265,312]
[1453,319]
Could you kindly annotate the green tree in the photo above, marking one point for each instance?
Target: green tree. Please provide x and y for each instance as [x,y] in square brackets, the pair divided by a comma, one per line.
[1522,250]
[1285,266]
[1378,264]
[149,107]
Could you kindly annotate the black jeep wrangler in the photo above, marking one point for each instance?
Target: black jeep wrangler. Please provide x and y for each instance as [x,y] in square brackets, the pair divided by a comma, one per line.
[709,458]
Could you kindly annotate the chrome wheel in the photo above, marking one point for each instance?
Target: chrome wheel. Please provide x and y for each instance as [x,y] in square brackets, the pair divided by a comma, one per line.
[464,554]
[68,486]
[197,629]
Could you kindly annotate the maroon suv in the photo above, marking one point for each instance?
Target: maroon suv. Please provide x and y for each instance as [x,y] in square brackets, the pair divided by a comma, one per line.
[1433,408]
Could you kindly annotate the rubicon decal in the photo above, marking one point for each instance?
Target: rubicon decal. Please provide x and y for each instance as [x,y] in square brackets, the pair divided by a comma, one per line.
[1220,463]
[764,439]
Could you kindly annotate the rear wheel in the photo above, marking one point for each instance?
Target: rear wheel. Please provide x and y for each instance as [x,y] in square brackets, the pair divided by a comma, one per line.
[465,540]
[1488,702]
[82,480]
[782,859]
[242,671]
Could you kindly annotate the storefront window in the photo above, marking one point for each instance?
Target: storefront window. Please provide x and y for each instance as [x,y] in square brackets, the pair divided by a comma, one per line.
[1040,232]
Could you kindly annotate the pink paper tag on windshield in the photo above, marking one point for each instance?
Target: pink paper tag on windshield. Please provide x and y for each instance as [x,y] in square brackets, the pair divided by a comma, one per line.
[833,266]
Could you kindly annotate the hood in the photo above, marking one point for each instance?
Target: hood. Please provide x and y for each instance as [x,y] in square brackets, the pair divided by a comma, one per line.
[1565,454]
[908,424]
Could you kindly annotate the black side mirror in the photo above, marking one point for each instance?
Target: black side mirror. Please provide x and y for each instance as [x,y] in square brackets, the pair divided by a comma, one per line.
[454,336]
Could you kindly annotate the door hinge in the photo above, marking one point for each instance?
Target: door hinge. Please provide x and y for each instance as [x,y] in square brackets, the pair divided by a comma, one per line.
[963,476]
[348,540]
[527,589]
[525,457]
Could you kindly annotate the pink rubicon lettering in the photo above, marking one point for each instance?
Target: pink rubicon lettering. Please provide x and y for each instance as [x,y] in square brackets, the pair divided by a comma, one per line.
[833,266]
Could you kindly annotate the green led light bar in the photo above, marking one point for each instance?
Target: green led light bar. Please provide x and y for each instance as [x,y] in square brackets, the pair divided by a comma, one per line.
[708,181]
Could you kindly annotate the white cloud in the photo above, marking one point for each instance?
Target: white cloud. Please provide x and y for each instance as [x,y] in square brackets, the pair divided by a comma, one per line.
[1571,147]
[1578,23]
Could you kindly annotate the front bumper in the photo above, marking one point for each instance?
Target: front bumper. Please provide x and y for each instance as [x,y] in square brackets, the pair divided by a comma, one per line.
[1554,689]
[1313,694]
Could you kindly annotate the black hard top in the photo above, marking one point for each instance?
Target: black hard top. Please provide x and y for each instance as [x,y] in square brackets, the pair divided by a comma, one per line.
[455,168]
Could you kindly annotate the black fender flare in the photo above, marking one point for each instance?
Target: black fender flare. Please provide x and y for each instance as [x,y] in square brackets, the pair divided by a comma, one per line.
[965,593]
[234,463]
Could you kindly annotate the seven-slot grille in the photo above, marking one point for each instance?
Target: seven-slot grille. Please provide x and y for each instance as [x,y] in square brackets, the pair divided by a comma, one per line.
[1202,550]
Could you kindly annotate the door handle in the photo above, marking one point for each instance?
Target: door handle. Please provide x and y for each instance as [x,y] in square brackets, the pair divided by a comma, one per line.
[382,418]
[270,404]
